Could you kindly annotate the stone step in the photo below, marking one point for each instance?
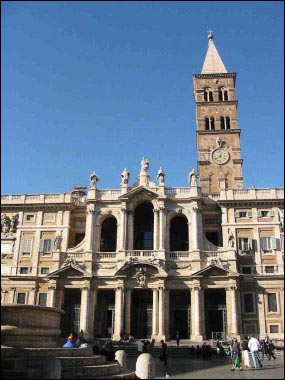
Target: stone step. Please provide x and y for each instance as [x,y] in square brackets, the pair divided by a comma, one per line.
[21,374]
[13,363]
[90,371]
[79,361]
[124,374]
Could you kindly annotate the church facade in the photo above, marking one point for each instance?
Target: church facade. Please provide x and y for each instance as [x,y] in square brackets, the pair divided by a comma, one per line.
[147,259]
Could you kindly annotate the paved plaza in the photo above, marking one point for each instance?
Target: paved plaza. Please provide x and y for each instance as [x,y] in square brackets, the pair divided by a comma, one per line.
[216,368]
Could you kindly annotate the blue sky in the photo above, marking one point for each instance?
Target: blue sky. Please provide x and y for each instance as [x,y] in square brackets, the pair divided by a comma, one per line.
[98,85]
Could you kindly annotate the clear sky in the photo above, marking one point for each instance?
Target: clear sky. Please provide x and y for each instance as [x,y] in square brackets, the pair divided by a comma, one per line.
[98,85]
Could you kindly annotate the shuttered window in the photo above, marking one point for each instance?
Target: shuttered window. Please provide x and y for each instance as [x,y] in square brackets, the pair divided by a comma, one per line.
[26,246]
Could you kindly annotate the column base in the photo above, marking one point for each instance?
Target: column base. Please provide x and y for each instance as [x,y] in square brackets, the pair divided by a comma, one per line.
[116,337]
[197,338]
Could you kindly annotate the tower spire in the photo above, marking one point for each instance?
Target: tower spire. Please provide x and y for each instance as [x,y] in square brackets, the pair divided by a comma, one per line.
[213,63]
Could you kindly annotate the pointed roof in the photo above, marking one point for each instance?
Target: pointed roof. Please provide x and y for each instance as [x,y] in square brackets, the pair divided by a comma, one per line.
[213,63]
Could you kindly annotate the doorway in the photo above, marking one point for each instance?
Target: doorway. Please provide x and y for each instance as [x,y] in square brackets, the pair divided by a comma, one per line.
[141,315]
[70,320]
[215,313]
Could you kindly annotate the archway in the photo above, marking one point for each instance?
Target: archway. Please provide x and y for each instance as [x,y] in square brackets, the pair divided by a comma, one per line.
[143,227]
[108,242]
[179,240]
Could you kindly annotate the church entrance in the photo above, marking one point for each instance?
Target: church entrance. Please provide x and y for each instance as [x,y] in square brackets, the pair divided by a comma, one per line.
[215,313]
[179,314]
[70,320]
[141,315]
[105,314]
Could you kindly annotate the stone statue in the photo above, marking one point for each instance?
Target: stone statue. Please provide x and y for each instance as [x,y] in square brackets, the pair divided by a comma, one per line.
[144,165]
[14,222]
[160,176]
[141,276]
[219,142]
[125,177]
[192,178]
[57,242]
[231,239]
[5,223]
[93,180]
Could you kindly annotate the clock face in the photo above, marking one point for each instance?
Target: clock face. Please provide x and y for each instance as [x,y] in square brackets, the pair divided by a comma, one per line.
[220,156]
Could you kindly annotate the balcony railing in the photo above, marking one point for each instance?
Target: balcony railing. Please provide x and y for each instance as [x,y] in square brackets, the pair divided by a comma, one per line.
[36,198]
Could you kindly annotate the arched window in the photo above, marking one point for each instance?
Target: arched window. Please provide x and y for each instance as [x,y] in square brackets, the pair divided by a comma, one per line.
[228,122]
[207,123]
[108,242]
[208,95]
[223,94]
[212,123]
[223,124]
[143,226]
[179,240]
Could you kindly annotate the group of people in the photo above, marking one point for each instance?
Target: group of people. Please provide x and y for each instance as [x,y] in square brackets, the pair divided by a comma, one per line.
[107,350]
[75,341]
[239,352]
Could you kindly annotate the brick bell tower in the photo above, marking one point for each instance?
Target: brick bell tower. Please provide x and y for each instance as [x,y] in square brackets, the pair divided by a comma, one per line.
[218,134]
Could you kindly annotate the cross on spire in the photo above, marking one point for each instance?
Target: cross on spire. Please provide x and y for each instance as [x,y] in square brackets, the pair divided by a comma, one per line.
[210,34]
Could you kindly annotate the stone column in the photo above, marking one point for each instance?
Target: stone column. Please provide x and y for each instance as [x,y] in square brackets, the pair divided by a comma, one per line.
[86,306]
[232,311]
[161,314]
[11,295]
[119,316]
[261,314]
[197,313]
[52,295]
[128,300]
[162,227]
[90,226]
[130,230]
[32,296]
[123,229]
[154,312]
[195,227]
[155,228]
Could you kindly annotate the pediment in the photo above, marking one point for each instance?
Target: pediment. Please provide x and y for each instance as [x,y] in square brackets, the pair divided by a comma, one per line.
[140,190]
[215,270]
[152,268]
[69,270]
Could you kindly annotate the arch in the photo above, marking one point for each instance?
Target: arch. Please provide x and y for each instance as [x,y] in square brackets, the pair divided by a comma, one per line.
[223,94]
[179,233]
[208,95]
[108,238]
[143,226]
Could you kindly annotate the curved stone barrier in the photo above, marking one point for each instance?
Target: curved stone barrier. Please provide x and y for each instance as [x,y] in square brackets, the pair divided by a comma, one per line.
[29,325]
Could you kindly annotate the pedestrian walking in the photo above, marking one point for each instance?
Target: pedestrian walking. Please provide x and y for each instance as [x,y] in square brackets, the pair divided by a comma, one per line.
[270,349]
[177,337]
[245,352]
[236,355]
[164,352]
[253,345]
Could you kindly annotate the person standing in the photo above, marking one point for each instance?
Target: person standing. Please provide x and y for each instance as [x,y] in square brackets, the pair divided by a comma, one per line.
[253,345]
[164,354]
[177,337]
[245,352]
[236,355]
[270,350]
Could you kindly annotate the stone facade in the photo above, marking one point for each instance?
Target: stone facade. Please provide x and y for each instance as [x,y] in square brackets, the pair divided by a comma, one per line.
[147,259]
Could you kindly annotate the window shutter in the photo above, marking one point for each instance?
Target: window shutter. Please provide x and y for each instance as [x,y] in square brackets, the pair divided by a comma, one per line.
[41,245]
[250,245]
[236,214]
[239,244]
[51,245]
[262,245]
[249,214]
[271,213]
[259,213]
[273,243]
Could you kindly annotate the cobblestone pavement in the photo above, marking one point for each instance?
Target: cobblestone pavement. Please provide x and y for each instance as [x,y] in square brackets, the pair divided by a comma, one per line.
[183,368]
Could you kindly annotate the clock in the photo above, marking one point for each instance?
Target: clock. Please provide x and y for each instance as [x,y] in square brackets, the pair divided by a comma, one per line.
[220,156]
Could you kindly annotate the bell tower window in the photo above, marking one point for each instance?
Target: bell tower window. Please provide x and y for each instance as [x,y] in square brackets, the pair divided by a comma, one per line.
[208,95]
[212,123]
[225,122]
[223,94]
[228,122]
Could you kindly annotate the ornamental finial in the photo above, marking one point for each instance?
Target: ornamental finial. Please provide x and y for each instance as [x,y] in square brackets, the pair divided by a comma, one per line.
[210,34]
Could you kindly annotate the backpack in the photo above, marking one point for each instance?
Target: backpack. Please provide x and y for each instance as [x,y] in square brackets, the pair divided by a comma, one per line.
[244,345]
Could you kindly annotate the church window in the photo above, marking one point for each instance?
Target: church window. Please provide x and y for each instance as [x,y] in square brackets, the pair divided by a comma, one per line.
[212,123]
[272,302]
[42,299]
[245,245]
[208,95]
[21,298]
[223,94]
[78,238]
[143,227]
[248,303]
[26,247]
[179,234]
[228,122]
[46,246]
[207,123]
[223,124]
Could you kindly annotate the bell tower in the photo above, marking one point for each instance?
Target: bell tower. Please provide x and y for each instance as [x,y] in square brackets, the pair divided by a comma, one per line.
[218,134]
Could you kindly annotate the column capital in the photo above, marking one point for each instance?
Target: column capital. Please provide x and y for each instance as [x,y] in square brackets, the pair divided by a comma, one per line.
[231,288]
[123,208]
[196,208]
[119,288]
[155,210]
[195,288]
[161,288]
[52,287]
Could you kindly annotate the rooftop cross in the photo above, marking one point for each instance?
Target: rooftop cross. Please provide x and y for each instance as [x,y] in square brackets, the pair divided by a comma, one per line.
[210,34]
